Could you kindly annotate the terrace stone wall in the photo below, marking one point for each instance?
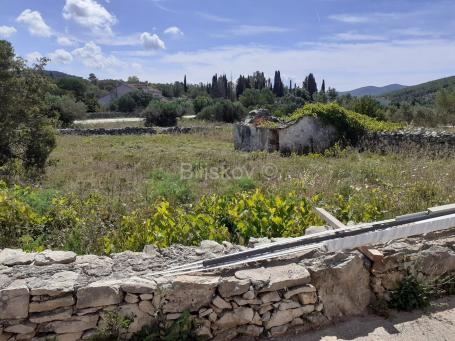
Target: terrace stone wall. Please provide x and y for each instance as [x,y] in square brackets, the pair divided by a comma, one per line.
[420,139]
[131,131]
[59,295]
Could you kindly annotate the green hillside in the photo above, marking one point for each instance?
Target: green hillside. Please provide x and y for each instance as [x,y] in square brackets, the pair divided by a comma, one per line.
[424,94]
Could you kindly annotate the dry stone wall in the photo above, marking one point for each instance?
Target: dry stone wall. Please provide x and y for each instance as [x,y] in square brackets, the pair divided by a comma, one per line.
[55,294]
[421,139]
[131,131]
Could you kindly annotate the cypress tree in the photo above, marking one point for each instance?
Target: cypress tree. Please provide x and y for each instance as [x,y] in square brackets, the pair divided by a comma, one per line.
[323,86]
[311,85]
[278,87]
[185,88]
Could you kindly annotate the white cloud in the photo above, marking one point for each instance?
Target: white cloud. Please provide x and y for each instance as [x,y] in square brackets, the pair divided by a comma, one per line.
[152,41]
[249,30]
[92,56]
[90,14]
[344,66]
[354,36]
[61,56]
[35,23]
[213,17]
[7,31]
[173,31]
[33,57]
[350,19]
[66,41]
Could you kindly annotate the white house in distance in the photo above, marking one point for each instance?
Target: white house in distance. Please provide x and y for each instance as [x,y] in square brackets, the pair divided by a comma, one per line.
[124,88]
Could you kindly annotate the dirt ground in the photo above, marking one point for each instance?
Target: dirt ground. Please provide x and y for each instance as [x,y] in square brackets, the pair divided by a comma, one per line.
[436,323]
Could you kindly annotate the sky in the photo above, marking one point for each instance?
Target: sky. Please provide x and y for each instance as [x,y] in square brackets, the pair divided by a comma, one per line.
[349,43]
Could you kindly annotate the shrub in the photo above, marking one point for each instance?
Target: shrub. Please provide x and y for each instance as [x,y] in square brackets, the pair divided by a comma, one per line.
[253,97]
[169,187]
[184,107]
[160,114]
[126,103]
[411,294]
[66,109]
[367,105]
[223,111]
[182,329]
[201,102]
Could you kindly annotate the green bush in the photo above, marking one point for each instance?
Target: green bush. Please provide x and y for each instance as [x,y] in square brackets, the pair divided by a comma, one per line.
[66,109]
[411,294]
[169,187]
[34,219]
[160,114]
[201,102]
[253,97]
[223,111]
[126,103]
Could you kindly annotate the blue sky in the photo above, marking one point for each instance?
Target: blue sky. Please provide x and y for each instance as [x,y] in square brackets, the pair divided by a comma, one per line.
[350,43]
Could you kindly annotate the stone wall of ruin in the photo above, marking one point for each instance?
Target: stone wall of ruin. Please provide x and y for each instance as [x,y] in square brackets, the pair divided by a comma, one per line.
[55,294]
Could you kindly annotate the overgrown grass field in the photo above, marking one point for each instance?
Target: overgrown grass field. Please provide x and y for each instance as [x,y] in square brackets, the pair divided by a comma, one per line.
[105,194]
[136,169]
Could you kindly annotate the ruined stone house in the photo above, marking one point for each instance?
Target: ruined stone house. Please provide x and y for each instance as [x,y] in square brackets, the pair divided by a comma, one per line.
[305,135]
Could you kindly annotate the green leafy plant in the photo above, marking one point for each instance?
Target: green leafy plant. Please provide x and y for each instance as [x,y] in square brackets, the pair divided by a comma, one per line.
[181,329]
[113,328]
[411,294]
[351,124]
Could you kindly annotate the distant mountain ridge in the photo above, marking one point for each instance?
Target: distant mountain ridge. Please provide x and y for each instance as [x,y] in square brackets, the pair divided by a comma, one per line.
[58,75]
[374,90]
[423,94]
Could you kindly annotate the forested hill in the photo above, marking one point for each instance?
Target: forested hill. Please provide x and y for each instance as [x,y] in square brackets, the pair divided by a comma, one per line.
[374,90]
[58,75]
[424,94]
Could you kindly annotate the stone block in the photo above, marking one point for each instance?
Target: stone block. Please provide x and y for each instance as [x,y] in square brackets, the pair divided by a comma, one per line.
[131,298]
[233,286]
[48,316]
[60,283]
[307,298]
[14,301]
[12,257]
[76,324]
[237,317]
[286,276]
[137,285]
[22,328]
[220,303]
[49,257]
[190,293]
[270,297]
[66,301]
[99,294]
[140,318]
[303,289]
[249,330]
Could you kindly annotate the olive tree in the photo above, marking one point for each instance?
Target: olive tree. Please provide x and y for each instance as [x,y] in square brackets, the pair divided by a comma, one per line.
[26,129]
